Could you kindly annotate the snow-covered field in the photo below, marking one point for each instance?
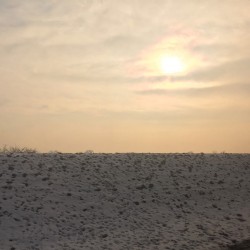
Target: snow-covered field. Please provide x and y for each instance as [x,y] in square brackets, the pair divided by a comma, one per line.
[123,201]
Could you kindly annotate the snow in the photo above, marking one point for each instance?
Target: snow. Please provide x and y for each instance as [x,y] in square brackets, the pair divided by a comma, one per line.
[123,201]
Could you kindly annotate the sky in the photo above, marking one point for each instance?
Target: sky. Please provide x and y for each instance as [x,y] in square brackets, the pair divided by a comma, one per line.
[125,76]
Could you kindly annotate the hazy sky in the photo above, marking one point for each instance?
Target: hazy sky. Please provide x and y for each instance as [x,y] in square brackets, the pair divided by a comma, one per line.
[123,76]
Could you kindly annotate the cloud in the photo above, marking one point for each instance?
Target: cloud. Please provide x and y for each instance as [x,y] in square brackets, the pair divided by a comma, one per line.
[236,89]
[77,57]
[226,71]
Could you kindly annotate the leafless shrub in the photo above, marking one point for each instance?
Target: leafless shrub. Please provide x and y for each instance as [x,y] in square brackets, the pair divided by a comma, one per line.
[17,149]
[89,151]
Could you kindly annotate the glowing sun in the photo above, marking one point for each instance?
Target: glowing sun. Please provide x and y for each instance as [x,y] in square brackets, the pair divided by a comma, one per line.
[171,65]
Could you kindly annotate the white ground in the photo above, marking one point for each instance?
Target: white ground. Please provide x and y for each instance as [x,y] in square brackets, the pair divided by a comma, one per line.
[123,201]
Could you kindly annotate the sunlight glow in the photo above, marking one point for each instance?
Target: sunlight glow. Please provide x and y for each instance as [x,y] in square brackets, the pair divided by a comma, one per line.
[171,65]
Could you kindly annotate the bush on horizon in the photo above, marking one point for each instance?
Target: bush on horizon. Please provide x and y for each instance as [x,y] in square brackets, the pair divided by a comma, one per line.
[17,149]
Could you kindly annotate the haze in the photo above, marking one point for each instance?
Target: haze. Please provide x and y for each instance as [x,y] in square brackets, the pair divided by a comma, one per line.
[133,76]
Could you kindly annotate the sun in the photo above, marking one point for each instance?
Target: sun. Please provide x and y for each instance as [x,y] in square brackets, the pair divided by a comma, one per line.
[171,65]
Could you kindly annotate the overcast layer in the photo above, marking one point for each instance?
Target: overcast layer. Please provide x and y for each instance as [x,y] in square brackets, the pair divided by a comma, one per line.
[78,75]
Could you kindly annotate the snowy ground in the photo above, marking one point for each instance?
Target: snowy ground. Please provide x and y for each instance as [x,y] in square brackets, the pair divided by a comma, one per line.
[123,201]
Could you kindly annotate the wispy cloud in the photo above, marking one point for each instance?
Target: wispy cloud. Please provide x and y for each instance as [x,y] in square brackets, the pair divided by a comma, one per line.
[228,71]
[237,89]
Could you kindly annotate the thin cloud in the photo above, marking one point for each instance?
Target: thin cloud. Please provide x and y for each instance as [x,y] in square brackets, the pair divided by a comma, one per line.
[236,89]
[225,71]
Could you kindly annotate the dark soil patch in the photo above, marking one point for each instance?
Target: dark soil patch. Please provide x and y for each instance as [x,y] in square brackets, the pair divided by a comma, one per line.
[244,245]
